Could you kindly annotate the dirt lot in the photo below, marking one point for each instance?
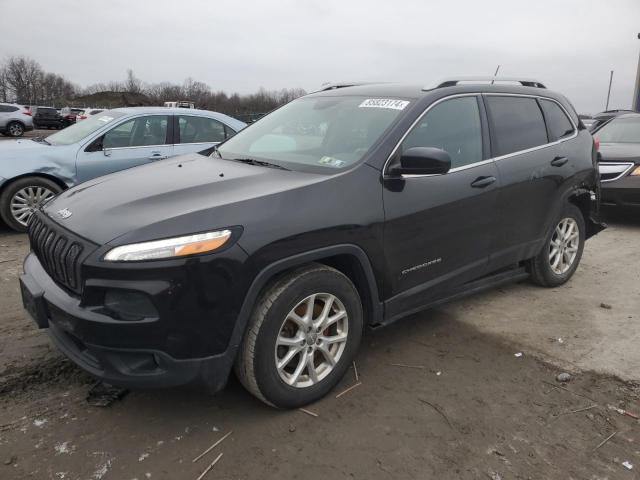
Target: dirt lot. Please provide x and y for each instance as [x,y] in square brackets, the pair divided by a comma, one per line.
[472,410]
[38,132]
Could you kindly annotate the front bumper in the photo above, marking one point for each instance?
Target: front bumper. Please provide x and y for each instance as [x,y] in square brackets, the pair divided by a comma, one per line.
[103,346]
[623,192]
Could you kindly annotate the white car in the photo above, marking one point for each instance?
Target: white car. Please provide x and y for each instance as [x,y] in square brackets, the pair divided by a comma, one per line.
[87,113]
[15,120]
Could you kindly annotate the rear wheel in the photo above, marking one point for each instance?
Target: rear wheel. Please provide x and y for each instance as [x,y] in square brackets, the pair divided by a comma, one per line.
[560,257]
[21,198]
[303,335]
[15,129]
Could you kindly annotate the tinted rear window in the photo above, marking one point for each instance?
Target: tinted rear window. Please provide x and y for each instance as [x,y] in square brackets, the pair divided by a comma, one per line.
[7,108]
[517,124]
[558,123]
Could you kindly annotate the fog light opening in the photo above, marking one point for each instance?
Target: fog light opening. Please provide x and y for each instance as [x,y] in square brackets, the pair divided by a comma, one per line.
[128,305]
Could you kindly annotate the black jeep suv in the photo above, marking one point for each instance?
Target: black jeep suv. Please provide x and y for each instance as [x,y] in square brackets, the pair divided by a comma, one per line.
[347,208]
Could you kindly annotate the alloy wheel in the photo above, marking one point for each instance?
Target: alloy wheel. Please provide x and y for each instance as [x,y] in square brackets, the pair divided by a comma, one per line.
[15,130]
[311,340]
[27,200]
[564,245]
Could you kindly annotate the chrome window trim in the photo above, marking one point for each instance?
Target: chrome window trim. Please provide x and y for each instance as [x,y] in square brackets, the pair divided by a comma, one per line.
[197,143]
[629,166]
[492,159]
[138,146]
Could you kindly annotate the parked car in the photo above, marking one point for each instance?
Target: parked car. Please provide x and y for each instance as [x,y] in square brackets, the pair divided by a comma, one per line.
[619,157]
[33,171]
[601,118]
[86,113]
[347,208]
[14,120]
[69,115]
[180,104]
[46,117]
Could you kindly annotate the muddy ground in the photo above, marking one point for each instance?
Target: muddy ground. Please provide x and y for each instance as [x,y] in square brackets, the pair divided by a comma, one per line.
[470,409]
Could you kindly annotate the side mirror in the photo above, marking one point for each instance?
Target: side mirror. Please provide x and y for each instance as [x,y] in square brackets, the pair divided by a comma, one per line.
[96,145]
[423,161]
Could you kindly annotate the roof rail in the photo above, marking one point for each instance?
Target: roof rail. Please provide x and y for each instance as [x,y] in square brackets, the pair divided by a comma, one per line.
[450,82]
[333,86]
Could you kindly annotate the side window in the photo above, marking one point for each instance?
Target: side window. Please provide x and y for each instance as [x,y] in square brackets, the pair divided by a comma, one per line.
[517,124]
[138,132]
[557,122]
[7,108]
[454,126]
[200,129]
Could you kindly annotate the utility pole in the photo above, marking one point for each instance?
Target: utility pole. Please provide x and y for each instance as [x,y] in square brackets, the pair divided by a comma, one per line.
[635,105]
[609,92]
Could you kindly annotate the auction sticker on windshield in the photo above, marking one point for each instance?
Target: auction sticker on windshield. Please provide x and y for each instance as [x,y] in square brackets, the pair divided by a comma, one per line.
[384,103]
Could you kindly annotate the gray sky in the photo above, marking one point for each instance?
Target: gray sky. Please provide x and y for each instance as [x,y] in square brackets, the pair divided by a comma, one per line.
[571,45]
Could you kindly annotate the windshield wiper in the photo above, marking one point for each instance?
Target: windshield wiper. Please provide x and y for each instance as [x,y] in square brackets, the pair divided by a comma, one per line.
[259,163]
[40,140]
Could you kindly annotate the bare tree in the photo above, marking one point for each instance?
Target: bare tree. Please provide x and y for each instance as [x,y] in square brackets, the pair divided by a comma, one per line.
[23,80]
[4,85]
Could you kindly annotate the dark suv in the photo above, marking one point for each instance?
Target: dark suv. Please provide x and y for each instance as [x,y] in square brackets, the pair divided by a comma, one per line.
[347,208]
[46,117]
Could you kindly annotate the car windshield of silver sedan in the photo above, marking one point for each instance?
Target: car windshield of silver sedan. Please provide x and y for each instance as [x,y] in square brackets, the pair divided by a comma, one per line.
[316,133]
[78,131]
[620,130]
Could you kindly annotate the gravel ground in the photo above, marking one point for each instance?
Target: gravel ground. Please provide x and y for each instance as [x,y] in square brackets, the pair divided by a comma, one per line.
[470,408]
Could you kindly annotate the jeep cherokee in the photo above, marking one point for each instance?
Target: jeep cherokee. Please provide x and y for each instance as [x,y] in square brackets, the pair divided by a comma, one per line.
[347,208]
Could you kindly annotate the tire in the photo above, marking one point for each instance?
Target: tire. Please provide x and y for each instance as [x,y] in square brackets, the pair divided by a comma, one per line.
[556,262]
[18,193]
[15,129]
[271,320]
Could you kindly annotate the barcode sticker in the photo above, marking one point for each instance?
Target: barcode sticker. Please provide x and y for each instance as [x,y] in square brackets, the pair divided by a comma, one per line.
[384,103]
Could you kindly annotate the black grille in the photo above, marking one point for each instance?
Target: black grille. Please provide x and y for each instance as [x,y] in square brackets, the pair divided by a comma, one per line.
[59,254]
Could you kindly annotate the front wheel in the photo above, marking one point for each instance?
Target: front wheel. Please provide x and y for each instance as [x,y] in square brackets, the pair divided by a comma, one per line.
[15,129]
[302,336]
[24,196]
[561,254]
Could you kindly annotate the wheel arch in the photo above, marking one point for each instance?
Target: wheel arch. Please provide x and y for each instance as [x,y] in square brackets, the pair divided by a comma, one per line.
[16,121]
[581,198]
[46,176]
[347,258]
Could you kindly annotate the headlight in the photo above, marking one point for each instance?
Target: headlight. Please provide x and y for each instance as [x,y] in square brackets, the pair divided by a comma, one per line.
[169,247]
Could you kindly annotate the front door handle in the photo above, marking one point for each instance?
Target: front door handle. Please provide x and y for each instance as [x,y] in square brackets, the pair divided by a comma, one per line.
[559,161]
[482,182]
[157,156]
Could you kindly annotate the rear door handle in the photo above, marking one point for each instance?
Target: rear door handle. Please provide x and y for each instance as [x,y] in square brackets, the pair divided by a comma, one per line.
[559,161]
[482,182]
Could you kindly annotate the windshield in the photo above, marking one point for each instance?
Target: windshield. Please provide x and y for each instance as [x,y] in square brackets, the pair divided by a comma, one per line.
[620,130]
[316,133]
[79,131]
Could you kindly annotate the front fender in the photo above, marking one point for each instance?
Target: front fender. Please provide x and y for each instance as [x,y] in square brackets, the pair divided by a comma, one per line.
[54,162]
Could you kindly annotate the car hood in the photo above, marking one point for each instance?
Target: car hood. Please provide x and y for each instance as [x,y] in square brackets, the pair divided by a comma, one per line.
[8,147]
[181,195]
[618,152]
